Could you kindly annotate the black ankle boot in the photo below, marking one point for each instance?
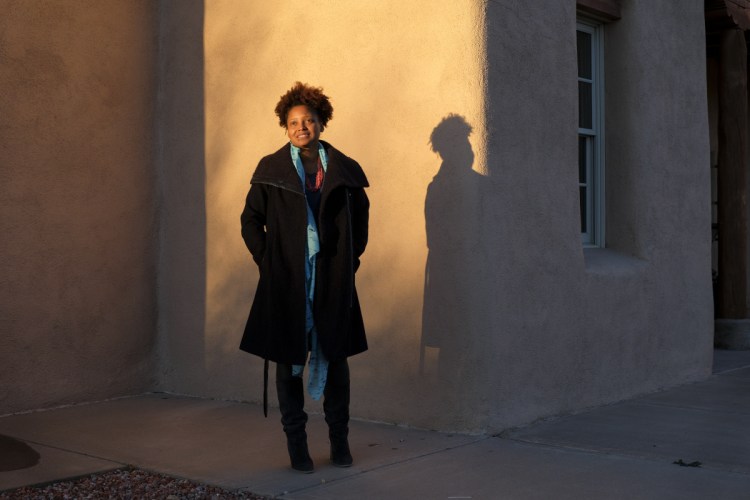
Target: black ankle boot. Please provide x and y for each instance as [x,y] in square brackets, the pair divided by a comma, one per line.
[340,454]
[299,455]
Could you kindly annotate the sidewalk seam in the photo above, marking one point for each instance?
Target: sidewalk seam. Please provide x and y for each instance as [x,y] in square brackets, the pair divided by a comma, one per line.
[692,408]
[28,441]
[614,453]
[380,467]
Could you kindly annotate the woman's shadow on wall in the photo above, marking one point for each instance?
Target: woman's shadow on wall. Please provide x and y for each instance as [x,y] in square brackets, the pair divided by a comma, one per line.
[454,269]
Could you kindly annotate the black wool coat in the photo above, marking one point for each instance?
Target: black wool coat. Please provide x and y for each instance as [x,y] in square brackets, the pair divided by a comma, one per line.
[274,227]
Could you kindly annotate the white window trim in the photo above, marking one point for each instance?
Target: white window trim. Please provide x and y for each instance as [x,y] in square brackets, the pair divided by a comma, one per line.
[595,237]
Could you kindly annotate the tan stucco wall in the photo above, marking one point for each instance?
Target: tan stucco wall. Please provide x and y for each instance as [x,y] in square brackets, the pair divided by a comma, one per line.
[77,301]
[520,321]
[391,81]
[482,308]
[580,328]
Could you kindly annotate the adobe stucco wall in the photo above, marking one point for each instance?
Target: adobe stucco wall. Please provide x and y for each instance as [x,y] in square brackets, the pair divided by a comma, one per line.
[570,328]
[77,294]
[482,308]
[392,80]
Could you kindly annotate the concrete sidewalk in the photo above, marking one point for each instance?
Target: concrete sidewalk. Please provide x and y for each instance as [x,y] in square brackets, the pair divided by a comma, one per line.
[622,451]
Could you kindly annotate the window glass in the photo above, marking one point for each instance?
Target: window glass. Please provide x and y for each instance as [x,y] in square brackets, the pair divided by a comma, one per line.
[582,159]
[584,214]
[585,106]
[590,132]
[584,54]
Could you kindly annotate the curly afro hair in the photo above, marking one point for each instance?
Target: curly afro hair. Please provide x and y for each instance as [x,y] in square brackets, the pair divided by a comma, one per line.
[303,94]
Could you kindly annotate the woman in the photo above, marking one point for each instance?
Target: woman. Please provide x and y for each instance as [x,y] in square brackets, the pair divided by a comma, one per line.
[305,224]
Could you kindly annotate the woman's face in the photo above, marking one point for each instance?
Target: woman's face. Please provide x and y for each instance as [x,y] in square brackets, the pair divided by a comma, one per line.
[303,126]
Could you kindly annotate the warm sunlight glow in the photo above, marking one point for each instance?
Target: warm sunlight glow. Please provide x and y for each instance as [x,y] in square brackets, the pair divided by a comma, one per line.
[389,93]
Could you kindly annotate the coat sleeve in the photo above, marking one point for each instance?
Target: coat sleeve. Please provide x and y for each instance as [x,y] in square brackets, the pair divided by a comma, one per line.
[253,220]
[360,206]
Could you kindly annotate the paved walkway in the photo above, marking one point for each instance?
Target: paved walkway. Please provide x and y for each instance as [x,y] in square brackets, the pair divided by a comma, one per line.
[622,451]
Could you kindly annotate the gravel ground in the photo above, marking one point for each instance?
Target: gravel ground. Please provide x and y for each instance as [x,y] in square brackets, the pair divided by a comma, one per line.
[126,484]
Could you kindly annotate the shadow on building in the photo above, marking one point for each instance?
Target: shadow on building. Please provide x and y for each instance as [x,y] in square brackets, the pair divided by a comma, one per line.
[454,269]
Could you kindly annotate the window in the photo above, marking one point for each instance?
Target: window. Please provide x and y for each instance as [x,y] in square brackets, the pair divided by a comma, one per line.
[591,132]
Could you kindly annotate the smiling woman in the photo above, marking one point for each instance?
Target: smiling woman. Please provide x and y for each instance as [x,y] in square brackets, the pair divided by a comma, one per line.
[303,128]
[305,223]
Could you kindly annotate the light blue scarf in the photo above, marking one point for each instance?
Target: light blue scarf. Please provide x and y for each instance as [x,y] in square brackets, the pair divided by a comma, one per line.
[318,363]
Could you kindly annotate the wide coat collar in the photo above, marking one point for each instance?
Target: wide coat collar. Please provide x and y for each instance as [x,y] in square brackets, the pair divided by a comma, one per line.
[277,170]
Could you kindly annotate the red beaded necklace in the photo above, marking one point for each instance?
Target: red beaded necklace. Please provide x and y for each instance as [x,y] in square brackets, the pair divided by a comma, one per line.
[313,182]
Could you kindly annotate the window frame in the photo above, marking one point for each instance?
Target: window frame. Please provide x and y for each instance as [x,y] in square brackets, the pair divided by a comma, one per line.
[595,168]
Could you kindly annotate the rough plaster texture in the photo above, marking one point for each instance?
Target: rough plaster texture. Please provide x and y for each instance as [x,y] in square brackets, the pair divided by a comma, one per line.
[637,315]
[77,278]
[390,88]
[483,310]
[182,185]
[571,328]
[519,321]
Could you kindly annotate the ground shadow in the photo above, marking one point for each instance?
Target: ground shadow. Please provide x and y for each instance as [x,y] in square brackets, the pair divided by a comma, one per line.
[16,455]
